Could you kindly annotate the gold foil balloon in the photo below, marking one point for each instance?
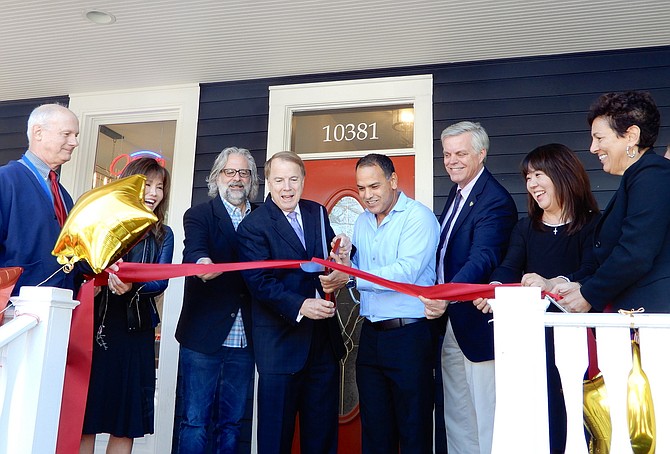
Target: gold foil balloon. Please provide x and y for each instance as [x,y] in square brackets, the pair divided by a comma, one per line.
[641,417]
[8,278]
[104,224]
[597,415]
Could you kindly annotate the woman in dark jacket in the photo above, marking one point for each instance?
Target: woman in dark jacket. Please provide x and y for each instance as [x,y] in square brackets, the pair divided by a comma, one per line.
[553,244]
[122,385]
[632,240]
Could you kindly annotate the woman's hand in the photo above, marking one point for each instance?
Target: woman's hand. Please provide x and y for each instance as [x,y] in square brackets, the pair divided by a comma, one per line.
[535,280]
[116,286]
[483,305]
[572,299]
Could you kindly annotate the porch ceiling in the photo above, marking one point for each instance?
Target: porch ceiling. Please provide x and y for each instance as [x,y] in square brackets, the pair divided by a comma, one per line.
[49,48]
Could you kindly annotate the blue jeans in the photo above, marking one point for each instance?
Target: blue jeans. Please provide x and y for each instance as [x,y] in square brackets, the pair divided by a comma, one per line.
[224,376]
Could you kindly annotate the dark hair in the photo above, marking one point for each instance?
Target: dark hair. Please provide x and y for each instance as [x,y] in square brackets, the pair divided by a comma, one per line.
[573,189]
[374,159]
[147,166]
[623,110]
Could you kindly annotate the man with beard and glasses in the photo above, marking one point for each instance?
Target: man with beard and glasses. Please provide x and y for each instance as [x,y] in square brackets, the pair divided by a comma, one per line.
[214,329]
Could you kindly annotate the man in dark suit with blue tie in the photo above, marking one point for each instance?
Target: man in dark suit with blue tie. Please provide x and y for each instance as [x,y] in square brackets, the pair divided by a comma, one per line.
[297,340]
[216,358]
[475,227]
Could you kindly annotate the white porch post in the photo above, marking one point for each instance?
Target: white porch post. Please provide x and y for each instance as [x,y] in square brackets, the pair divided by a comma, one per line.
[37,394]
[521,419]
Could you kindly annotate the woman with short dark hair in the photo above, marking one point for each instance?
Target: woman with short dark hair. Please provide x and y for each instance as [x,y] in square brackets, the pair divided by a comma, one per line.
[632,240]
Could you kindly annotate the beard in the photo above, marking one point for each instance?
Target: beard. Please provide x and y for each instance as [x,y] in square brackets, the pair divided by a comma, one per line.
[236,196]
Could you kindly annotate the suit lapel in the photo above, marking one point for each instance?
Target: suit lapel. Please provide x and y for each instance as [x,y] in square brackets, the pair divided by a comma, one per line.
[284,230]
[470,203]
[311,221]
[223,221]
[46,199]
[450,200]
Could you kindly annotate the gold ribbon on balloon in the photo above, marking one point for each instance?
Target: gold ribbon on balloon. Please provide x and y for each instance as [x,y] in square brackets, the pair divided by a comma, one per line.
[641,416]
[104,224]
[597,415]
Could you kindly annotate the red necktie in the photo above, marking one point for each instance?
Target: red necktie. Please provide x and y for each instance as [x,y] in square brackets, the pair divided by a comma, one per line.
[59,206]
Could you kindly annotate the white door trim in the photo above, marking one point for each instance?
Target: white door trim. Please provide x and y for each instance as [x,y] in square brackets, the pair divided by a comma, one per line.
[178,103]
[416,90]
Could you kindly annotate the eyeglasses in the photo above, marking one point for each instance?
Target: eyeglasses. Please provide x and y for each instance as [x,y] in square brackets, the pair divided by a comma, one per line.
[244,173]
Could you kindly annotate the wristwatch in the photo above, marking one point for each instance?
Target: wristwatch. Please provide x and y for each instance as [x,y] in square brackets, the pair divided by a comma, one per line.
[351,283]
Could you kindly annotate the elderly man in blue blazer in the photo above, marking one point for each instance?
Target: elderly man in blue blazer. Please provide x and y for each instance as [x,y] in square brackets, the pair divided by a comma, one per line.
[297,340]
[33,204]
[475,227]
[214,330]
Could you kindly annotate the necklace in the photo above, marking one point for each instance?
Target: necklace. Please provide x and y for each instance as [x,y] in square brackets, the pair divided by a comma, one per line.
[555,226]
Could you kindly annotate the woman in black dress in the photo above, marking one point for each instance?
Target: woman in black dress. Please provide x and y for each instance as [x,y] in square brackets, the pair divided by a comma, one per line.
[123,377]
[552,245]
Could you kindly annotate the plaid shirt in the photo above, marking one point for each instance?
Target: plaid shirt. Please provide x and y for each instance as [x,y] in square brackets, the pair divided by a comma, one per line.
[236,337]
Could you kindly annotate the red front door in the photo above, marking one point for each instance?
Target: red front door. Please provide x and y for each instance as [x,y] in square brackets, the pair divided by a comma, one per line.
[332,182]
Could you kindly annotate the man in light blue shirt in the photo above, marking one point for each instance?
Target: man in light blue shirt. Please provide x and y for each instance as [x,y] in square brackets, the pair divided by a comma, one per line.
[396,238]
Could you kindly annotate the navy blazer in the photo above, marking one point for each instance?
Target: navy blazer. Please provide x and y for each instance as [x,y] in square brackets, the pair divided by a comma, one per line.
[29,228]
[210,307]
[632,241]
[476,246]
[282,344]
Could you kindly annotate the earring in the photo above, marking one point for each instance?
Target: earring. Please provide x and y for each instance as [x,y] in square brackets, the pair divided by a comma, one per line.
[630,155]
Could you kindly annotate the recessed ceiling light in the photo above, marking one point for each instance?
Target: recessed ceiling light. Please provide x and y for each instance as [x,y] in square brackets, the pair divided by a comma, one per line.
[99,17]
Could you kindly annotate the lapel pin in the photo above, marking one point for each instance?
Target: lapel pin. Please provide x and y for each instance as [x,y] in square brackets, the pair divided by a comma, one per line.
[471,203]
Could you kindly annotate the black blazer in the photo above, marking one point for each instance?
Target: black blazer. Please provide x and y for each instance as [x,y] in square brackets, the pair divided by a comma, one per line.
[477,244]
[282,344]
[632,241]
[210,307]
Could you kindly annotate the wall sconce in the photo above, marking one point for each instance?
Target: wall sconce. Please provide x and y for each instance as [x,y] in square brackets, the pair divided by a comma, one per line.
[404,124]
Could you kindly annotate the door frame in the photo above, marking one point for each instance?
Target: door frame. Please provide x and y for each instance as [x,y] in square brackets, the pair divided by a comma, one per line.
[178,103]
[416,90]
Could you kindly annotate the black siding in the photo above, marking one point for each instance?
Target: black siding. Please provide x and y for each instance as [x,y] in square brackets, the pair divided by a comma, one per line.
[522,103]
[13,125]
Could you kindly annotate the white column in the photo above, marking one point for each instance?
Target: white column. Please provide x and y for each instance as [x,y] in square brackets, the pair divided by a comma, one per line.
[521,419]
[36,402]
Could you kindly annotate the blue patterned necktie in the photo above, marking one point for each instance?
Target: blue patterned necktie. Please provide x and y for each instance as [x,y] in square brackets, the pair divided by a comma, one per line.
[443,235]
[293,220]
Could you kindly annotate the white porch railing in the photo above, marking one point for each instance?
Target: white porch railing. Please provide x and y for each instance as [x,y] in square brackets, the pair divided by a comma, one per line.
[33,349]
[521,421]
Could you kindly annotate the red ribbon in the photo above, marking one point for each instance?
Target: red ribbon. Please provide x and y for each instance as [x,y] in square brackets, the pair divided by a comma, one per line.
[451,291]
[77,373]
[78,366]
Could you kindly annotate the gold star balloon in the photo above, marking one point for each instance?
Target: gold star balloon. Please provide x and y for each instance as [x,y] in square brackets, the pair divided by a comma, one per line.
[104,224]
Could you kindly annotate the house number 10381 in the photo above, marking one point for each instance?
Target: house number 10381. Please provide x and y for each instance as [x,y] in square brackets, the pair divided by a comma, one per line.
[350,131]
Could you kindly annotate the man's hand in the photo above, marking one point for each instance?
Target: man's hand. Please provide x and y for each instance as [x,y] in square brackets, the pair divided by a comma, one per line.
[207,276]
[343,255]
[317,309]
[433,308]
[333,281]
